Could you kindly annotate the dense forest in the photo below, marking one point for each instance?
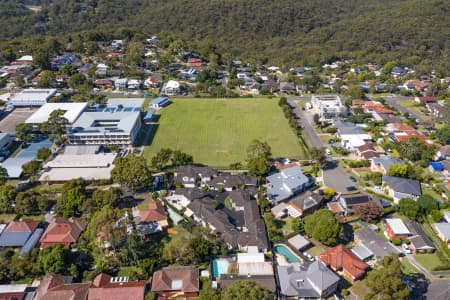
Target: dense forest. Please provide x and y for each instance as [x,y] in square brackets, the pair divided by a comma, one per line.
[307,32]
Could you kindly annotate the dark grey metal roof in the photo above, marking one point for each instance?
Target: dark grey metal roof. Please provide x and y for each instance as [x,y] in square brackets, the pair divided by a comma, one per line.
[32,241]
[403,185]
[14,239]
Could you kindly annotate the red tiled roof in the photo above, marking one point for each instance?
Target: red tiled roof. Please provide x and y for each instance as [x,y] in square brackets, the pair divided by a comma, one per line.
[25,225]
[163,279]
[370,154]
[154,213]
[62,231]
[341,258]
[366,147]
[335,207]
[426,99]
[76,291]
[103,289]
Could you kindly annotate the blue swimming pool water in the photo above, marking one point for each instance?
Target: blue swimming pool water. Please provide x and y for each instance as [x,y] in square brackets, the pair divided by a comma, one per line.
[219,266]
[286,252]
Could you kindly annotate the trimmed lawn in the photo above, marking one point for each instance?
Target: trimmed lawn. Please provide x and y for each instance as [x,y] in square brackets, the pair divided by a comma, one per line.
[407,267]
[428,261]
[7,218]
[217,132]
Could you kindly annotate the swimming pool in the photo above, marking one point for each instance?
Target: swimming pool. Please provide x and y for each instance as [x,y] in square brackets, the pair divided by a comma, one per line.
[219,267]
[287,253]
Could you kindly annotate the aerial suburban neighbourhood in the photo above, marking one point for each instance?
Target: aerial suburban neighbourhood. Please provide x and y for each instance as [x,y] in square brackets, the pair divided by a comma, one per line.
[138,167]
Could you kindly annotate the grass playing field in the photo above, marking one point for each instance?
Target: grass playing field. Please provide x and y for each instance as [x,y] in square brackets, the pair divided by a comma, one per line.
[217,132]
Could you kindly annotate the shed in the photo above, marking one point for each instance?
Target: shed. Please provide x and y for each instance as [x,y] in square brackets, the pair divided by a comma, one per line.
[299,242]
[159,102]
[362,252]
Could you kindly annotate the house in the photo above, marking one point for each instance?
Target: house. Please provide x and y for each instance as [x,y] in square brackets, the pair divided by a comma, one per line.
[14,291]
[106,128]
[229,182]
[160,102]
[395,228]
[101,69]
[304,204]
[425,99]
[63,231]
[402,187]
[419,241]
[443,232]
[181,197]
[55,286]
[21,233]
[444,153]
[378,246]
[106,287]
[233,217]
[121,83]
[176,282]
[250,266]
[350,203]
[367,151]
[153,219]
[398,72]
[329,106]
[299,242]
[190,176]
[381,164]
[287,183]
[279,211]
[351,135]
[134,84]
[437,110]
[308,280]
[171,88]
[341,259]
[31,97]
[71,111]
[152,81]
[104,83]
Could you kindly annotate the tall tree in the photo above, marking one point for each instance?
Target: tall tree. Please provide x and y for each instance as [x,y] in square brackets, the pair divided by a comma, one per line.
[3,175]
[369,212]
[24,132]
[131,171]
[409,208]
[162,158]
[259,149]
[247,290]
[323,226]
[385,282]
[55,259]
[7,196]
[319,156]
[56,124]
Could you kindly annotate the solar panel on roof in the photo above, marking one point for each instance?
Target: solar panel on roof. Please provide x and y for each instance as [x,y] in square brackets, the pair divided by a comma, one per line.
[128,109]
[137,109]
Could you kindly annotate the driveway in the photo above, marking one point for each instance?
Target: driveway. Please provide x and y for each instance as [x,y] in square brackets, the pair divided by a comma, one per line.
[336,178]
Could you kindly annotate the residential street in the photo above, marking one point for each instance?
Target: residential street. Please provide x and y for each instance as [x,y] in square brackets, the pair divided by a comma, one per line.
[333,176]
[392,101]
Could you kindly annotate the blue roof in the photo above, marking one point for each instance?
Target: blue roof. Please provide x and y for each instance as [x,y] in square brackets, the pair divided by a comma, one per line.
[14,239]
[437,165]
[160,101]
[133,103]
[149,115]
[31,150]
[32,241]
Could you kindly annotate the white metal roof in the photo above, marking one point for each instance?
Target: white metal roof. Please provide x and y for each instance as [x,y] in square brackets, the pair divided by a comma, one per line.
[250,257]
[34,94]
[72,112]
[12,288]
[397,226]
[102,160]
[66,174]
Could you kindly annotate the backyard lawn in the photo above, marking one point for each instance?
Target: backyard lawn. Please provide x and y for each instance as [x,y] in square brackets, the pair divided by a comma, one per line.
[217,132]
[414,108]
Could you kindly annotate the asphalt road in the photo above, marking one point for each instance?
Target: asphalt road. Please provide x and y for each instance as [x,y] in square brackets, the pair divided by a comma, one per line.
[306,121]
[392,101]
[333,176]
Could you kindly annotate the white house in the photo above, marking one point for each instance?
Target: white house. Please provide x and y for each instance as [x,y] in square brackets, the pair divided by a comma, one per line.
[171,88]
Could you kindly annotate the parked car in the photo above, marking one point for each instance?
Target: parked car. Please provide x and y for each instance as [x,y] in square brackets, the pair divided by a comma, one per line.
[406,249]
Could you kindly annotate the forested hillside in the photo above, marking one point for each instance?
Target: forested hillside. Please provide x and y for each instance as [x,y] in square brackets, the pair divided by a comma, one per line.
[306,31]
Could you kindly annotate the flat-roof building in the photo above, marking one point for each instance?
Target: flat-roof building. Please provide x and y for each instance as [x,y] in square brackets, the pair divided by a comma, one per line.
[32,97]
[87,166]
[159,102]
[72,112]
[329,106]
[106,128]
